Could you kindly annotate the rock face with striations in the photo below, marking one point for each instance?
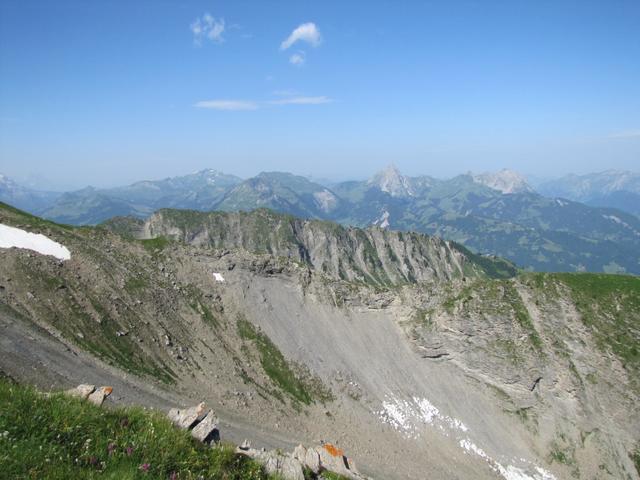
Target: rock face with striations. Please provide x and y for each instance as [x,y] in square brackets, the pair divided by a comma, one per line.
[373,256]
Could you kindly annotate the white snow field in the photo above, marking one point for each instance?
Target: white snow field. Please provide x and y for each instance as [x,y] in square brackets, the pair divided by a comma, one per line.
[15,237]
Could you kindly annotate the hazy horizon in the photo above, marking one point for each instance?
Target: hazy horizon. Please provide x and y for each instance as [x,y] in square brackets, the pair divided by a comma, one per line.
[108,94]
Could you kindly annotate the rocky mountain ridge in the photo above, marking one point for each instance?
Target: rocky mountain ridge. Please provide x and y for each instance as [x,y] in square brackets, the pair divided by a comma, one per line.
[611,188]
[372,256]
[533,231]
[532,377]
[505,181]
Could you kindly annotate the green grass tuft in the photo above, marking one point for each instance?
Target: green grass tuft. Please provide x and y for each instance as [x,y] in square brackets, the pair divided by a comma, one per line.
[59,437]
[635,457]
[153,244]
[610,306]
[302,388]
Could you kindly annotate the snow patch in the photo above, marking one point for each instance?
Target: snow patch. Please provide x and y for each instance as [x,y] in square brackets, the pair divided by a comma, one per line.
[15,237]
[218,277]
[383,221]
[615,219]
[409,416]
[619,221]
[510,472]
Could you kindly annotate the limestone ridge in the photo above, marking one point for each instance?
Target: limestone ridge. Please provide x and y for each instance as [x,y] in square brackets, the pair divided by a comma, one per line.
[392,182]
[505,181]
[373,256]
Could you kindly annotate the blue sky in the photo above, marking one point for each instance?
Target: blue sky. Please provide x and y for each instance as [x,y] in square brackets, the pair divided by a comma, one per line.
[108,92]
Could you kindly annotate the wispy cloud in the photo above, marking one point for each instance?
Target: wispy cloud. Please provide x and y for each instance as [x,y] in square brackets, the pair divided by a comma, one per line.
[207,28]
[229,105]
[302,101]
[307,32]
[626,134]
[297,58]
[289,98]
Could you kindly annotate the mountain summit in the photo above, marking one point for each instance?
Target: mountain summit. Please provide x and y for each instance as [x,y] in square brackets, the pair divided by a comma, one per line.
[391,181]
[505,181]
[612,188]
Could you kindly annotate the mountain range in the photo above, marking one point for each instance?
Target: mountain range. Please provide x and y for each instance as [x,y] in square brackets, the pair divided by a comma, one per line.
[418,358]
[611,188]
[491,213]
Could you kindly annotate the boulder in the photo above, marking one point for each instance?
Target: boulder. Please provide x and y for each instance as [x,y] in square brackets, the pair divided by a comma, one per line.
[300,452]
[207,430]
[276,463]
[187,418]
[333,459]
[308,457]
[291,469]
[81,391]
[99,396]
[312,460]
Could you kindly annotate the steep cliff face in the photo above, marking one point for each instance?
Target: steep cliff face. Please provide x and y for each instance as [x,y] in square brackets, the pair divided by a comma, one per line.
[371,256]
[454,376]
[559,352]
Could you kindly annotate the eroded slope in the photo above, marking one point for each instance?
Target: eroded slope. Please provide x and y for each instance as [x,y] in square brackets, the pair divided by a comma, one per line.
[455,376]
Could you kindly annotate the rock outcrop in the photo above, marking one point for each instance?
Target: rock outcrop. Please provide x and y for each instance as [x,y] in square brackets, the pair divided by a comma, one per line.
[373,256]
[90,393]
[188,418]
[291,466]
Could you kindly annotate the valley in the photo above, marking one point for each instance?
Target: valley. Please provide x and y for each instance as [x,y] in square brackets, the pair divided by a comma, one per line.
[492,214]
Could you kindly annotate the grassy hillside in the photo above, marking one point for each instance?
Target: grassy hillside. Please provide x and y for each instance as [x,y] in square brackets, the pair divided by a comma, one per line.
[59,437]
[609,306]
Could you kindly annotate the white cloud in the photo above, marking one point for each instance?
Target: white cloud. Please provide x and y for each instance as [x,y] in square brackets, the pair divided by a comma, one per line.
[307,32]
[289,97]
[302,101]
[626,134]
[207,27]
[297,58]
[229,105]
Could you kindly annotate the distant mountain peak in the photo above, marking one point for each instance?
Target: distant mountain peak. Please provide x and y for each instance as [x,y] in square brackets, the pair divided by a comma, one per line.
[505,181]
[209,172]
[391,181]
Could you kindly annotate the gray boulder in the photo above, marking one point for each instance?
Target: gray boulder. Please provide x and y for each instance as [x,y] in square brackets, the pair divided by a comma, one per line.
[308,457]
[187,418]
[100,395]
[276,463]
[81,391]
[207,430]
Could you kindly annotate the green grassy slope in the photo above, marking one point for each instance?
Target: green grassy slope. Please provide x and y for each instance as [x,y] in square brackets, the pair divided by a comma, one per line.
[59,437]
